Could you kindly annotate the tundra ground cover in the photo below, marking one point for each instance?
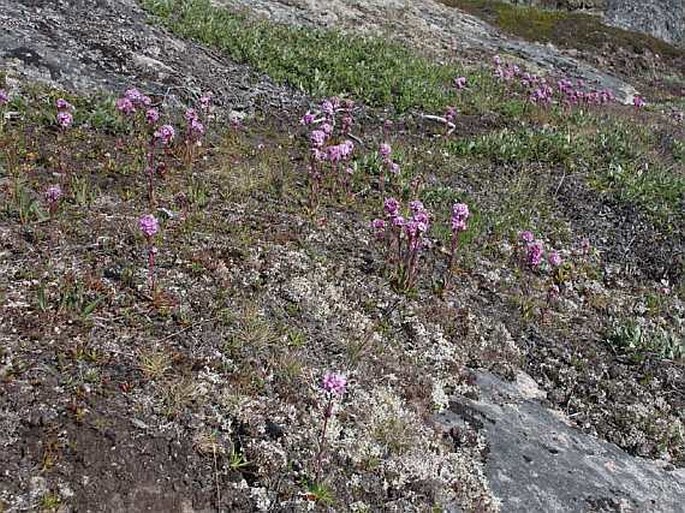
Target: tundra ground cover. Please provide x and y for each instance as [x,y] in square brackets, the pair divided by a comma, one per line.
[262,292]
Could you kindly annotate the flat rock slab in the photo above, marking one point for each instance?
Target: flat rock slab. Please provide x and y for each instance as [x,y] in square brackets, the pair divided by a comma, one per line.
[539,463]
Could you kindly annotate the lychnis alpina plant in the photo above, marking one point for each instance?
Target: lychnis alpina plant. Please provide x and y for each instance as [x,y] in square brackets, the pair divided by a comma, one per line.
[334,386]
[460,214]
[163,138]
[52,196]
[405,237]
[193,135]
[64,120]
[4,100]
[149,226]
[328,151]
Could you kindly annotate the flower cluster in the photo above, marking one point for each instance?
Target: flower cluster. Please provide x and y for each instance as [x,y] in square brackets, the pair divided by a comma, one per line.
[541,92]
[460,83]
[460,214]
[533,254]
[4,97]
[148,225]
[64,116]
[385,152]
[132,101]
[327,148]
[405,236]
[165,134]
[334,383]
[194,127]
[639,102]
[52,196]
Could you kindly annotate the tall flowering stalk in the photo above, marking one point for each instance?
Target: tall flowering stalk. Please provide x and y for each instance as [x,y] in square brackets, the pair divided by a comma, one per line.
[162,137]
[195,129]
[388,166]
[4,100]
[405,237]
[149,226]
[334,386]
[460,214]
[328,150]
[64,119]
[52,196]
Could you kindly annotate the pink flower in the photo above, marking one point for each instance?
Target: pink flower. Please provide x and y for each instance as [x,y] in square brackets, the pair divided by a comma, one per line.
[460,82]
[307,119]
[4,97]
[554,259]
[133,95]
[378,226]
[196,128]
[327,129]
[534,255]
[334,383]
[148,225]
[190,114]
[384,151]
[53,194]
[64,119]
[205,101]
[165,134]
[391,207]
[639,101]
[125,106]
[394,168]
[327,108]
[62,104]
[152,116]
[460,213]
[317,138]
[527,236]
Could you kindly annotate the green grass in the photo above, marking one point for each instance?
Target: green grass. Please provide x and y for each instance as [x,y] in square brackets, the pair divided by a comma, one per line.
[318,62]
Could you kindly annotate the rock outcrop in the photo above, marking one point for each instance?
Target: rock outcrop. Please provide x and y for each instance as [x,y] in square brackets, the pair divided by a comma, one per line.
[664,19]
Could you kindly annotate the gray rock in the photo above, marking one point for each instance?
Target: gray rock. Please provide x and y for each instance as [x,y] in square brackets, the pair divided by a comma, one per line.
[537,462]
[88,45]
[664,19]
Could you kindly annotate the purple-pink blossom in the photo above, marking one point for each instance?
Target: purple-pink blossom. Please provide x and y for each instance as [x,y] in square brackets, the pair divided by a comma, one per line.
[527,236]
[334,383]
[391,207]
[165,134]
[534,254]
[152,116]
[205,101]
[125,106]
[639,101]
[307,119]
[378,226]
[394,168]
[64,119]
[318,138]
[53,194]
[460,82]
[190,114]
[196,127]
[327,108]
[148,225]
[62,104]
[554,259]
[4,97]
[460,214]
[384,151]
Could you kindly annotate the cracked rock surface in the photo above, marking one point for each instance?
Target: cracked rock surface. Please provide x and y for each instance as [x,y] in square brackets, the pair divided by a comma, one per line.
[538,462]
